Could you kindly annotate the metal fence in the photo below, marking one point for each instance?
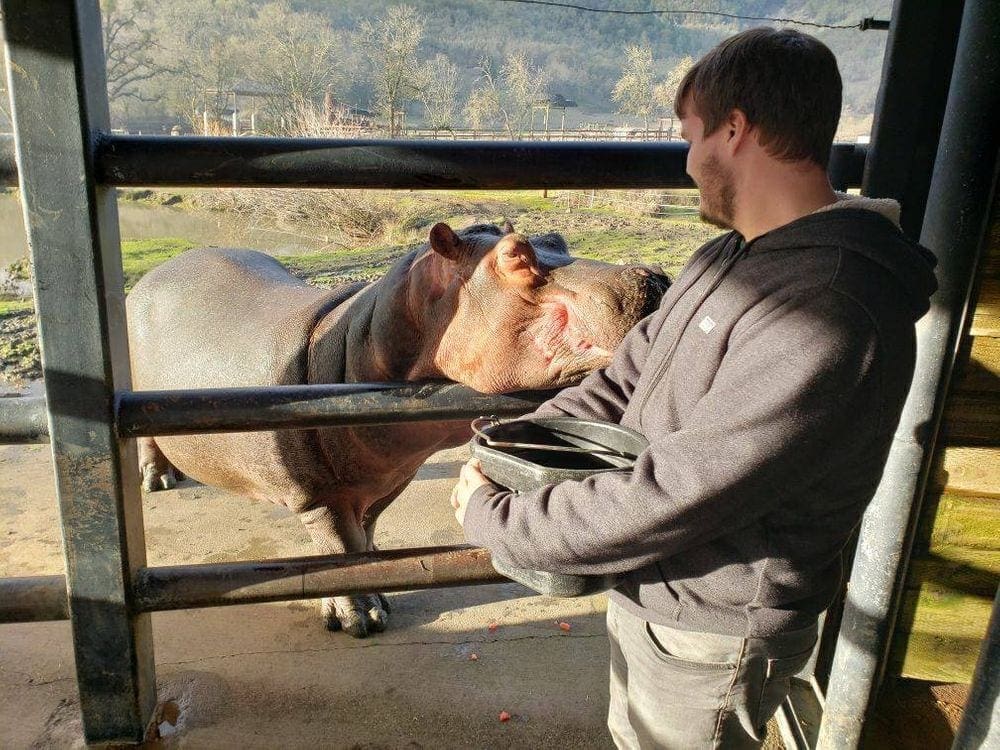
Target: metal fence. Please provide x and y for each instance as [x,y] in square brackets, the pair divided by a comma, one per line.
[68,165]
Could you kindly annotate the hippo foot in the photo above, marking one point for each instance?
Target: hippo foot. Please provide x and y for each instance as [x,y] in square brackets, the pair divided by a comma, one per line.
[358,616]
[154,480]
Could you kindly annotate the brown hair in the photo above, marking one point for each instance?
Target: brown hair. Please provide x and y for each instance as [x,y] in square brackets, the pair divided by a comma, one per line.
[785,82]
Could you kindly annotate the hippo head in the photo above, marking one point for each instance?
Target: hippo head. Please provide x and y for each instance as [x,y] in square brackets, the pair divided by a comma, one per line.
[515,312]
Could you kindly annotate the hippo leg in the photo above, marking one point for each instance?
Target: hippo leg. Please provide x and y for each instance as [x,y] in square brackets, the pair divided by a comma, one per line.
[368,524]
[336,534]
[154,468]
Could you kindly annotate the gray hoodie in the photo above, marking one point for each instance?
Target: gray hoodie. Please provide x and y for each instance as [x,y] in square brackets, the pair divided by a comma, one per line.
[769,384]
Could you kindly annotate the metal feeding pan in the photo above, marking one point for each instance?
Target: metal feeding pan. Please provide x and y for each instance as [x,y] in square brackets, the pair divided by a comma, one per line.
[525,454]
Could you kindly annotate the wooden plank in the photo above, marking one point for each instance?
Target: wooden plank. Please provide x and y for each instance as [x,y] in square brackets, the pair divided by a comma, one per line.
[938,633]
[973,571]
[980,373]
[971,419]
[986,320]
[969,471]
[958,522]
[939,658]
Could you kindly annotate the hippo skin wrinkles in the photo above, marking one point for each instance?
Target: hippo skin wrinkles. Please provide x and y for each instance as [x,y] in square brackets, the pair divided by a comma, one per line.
[488,307]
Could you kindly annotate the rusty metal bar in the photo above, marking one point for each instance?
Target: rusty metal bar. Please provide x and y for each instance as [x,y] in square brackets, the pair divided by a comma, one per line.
[55,72]
[33,599]
[37,598]
[218,584]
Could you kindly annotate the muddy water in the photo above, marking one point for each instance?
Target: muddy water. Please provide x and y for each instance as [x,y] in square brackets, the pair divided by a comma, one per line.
[139,222]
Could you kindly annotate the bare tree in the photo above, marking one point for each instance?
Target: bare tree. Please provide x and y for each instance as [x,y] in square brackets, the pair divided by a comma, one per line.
[505,96]
[439,91]
[634,90]
[129,50]
[296,56]
[390,43]
[205,50]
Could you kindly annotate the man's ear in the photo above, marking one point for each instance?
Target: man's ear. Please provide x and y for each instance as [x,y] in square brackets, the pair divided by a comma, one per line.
[446,243]
[517,263]
[737,129]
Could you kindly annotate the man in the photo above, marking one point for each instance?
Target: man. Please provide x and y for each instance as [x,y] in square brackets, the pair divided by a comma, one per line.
[769,384]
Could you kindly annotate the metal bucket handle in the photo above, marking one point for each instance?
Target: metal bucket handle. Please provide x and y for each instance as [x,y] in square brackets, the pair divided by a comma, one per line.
[494,421]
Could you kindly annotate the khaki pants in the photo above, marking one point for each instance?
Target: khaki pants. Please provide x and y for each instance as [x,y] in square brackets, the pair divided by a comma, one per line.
[684,691]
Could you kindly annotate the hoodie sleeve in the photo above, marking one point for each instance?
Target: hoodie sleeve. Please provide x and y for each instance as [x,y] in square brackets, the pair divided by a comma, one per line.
[800,379]
[605,393]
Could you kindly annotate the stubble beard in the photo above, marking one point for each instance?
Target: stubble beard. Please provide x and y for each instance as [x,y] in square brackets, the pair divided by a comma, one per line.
[718,195]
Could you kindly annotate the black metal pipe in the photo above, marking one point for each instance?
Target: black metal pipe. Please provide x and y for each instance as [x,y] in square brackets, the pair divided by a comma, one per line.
[916,72]
[199,161]
[847,165]
[302,406]
[958,207]
[312,162]
[220,584]
[979,718]
[23,420]
[39,598]
[33,599]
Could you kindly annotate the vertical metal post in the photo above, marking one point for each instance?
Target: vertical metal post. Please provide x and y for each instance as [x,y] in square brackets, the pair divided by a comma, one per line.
[920,53]
[958,208]
[56,76]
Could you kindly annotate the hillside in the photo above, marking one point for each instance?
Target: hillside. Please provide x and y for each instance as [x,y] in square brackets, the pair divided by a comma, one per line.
[583,52]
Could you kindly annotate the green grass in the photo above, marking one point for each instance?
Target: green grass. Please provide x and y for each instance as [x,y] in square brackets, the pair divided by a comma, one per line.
[367,262]
[520,200]
[11,306]
[141,256]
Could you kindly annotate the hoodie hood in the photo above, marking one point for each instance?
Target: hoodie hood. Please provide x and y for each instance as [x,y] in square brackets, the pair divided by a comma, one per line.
[870,228]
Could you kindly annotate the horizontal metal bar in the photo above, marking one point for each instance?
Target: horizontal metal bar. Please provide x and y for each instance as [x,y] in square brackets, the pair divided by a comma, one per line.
[303,406]
[39,598]
[308,162]
[33,599]
[220,584]
[200,161]
[23,420]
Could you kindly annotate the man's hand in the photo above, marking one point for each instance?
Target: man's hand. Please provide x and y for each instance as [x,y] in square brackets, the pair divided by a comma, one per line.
[470,479]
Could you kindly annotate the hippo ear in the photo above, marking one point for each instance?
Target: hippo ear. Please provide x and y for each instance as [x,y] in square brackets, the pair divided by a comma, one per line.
[507,227]
[553,242]
[517,263]
[445,242]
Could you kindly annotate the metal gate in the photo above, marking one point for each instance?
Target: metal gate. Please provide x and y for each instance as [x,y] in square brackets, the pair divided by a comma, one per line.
[68,165]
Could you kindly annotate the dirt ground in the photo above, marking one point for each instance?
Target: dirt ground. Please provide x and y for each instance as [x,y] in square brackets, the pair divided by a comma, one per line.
[269,675]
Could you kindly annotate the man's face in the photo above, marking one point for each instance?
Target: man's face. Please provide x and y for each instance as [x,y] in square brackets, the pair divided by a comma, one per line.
[706,167]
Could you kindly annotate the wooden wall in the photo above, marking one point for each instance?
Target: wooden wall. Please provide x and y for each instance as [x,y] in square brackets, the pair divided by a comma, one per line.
[955,567]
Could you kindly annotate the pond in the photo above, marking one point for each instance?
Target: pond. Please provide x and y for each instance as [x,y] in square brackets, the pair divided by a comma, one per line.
[140,222]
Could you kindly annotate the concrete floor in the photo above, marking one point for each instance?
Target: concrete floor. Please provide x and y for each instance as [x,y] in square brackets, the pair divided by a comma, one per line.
[270,676]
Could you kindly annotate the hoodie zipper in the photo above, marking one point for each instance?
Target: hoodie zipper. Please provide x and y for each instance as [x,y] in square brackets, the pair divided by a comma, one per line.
[731,257]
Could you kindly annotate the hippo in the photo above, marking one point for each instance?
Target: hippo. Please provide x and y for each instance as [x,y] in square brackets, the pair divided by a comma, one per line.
[488,307]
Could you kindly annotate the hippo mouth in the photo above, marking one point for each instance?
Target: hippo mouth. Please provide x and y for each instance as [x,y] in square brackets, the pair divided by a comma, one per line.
[566,343]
